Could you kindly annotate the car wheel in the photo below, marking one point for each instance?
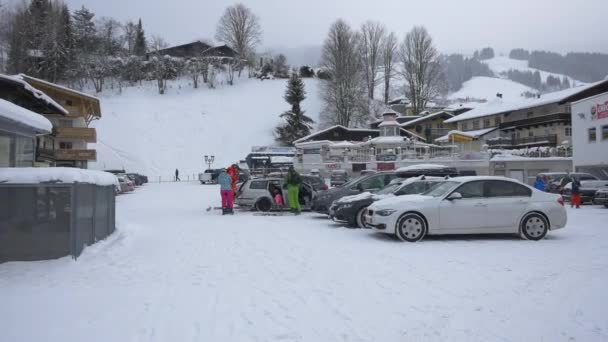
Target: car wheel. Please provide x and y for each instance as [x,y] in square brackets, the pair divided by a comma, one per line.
[361,217]
[263,205]
[411,227]
[534,226]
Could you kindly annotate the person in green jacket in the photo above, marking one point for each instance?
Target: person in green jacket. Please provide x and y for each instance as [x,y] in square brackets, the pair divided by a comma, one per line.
[293,189]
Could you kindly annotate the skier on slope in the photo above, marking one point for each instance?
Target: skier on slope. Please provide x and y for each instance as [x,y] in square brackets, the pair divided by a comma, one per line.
[293,182]
[225,182]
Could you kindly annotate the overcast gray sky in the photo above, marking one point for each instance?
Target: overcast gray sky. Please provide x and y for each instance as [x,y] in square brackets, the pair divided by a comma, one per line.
[456,25]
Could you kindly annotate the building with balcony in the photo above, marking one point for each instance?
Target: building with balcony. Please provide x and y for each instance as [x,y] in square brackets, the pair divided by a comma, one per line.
[68,143]
[590,135]
[20,121]
[544,121]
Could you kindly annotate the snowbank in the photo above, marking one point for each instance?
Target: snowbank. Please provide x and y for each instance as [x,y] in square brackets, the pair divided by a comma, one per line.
[421,167]
[26,117]
[34,175]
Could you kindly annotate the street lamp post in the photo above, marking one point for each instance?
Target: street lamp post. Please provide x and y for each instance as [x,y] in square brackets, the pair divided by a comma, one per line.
[209,161]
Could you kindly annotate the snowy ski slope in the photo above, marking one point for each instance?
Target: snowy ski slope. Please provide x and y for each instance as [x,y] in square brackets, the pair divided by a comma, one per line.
[142,131]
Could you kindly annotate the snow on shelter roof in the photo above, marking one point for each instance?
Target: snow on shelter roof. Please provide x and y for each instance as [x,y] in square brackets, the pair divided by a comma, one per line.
[421,167]
[498,107]
[35,92]
[25,77]
[25,117]
[471,134]
[312,135]
[64,175]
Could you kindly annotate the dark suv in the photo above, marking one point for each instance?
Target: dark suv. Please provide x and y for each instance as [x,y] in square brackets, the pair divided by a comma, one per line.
[373,183]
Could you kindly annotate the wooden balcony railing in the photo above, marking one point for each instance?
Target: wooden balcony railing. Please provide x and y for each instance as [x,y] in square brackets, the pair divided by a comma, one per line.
[76,154]
[87,134]
[543,140]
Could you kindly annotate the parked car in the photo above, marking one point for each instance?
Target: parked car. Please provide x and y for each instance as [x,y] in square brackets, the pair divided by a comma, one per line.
[126,184]
[601,197]
[553,180]
[209,176]
[470,205]
[375,182]
[137,178]
[317,182]
[338,177]
[588,189]
[351,209]
[258,194]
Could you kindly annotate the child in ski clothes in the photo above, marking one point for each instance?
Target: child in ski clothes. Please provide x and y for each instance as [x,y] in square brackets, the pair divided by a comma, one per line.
[278,198]
[575,194]
[293,189]
[539,184]
[225,182]
[233,171]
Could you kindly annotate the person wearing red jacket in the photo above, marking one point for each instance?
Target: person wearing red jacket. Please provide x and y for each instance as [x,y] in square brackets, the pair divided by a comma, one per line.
[233,171]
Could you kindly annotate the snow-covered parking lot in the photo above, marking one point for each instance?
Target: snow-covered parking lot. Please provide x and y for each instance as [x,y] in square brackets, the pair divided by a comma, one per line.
[173,272]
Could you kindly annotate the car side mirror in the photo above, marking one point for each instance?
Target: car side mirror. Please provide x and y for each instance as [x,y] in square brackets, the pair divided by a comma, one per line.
[360,187]
[454,196]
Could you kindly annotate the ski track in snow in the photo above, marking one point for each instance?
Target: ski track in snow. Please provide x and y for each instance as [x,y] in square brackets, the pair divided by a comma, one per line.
[174,272]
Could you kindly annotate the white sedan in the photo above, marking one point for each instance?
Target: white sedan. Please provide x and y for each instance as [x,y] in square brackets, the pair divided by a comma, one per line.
[470,205]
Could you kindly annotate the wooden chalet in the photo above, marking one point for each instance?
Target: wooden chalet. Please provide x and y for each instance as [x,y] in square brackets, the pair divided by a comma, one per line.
[67,146]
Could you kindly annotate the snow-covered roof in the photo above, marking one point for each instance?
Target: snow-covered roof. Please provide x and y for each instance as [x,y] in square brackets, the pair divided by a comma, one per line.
[497,106]
[312,135]
[421,167]
[388,123]
[66,89]
[385,140]
[281,160]
[35,92]
[472,134]
[313,143]
[425,118]
[343,144]
[20,115]
[510,157]
[36,175]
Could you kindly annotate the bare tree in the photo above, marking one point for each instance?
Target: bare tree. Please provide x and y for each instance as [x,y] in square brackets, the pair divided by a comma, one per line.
[372,34]
[421,68]
[344,92]
[240,29]
[389,52]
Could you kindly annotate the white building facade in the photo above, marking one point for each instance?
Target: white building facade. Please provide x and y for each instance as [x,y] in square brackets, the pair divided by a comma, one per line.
[590,135]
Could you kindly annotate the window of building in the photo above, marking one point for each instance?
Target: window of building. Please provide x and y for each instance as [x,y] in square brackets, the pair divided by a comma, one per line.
[476,124]
[530,133]
[69,103]
[5,150]
[568,131]
[592,134]
[529,114]
[66,123]
[497,121]
[464,126]
[486,123]
[440,125]
[568,109]
[66,145]
[518,134]
[547,131]
[605,132]
[24,151]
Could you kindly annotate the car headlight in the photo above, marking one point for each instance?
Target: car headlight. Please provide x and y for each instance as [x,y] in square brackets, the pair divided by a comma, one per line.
[386,212]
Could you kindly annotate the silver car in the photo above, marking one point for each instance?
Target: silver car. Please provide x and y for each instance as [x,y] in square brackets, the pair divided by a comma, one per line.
[259,194]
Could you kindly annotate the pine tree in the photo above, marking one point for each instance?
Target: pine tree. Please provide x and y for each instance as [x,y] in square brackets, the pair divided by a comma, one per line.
[297,124]
[140,47]
[84,30]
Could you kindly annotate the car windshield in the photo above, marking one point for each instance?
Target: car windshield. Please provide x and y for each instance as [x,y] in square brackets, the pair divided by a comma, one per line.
[441,189]
[389,189]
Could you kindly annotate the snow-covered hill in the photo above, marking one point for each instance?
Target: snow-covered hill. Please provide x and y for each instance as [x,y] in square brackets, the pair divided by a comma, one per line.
[487,88]
[142,131]
[501,65]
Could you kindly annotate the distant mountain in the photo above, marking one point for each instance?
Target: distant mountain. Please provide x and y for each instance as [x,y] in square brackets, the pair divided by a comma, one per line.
[298,56]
